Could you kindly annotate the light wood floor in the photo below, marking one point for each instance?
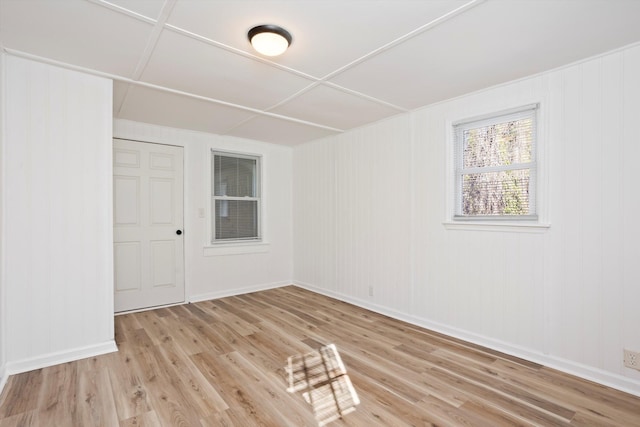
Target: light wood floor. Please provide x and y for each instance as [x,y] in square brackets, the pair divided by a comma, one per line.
[221,363]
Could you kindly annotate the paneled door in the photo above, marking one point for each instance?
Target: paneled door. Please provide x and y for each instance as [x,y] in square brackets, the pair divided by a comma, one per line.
[147,213]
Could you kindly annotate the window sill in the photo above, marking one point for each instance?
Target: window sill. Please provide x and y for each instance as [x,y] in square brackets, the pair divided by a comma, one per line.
[521,227]
[236,248]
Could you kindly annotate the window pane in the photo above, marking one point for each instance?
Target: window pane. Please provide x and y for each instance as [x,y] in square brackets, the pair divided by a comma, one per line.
[236,219]
[500,144]
[496,193]
[234,176]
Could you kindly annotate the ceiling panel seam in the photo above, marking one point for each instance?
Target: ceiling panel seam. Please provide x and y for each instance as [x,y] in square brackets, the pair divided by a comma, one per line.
[231,128]
[123,10]
[167,7]
[123,100]
[294,96]
[153,38]
[423,28]
[365,96]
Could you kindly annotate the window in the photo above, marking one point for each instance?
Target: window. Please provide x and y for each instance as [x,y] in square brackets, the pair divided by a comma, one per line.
[495,166]
[235,198]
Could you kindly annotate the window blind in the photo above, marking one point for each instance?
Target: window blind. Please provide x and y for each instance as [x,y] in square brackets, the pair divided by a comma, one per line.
[236,197]
[495,166]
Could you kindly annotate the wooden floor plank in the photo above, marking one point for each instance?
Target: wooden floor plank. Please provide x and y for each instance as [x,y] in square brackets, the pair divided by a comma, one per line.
[222,363]
[252,409]
[197,389]
[258,383]
[28,418]
[56,399]
[509,404]
[94,400]
[147,419]
[23,399]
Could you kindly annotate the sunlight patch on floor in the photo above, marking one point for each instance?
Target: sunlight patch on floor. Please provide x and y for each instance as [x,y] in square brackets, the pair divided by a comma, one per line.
[324,383]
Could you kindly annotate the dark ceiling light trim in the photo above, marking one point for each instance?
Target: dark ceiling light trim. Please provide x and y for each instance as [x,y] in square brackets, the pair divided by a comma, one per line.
[269,40]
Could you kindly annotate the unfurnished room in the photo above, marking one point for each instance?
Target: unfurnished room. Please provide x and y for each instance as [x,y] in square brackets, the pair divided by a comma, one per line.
[319,213]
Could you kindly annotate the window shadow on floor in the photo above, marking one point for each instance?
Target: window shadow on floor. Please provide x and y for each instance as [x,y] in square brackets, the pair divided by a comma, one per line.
[323,381]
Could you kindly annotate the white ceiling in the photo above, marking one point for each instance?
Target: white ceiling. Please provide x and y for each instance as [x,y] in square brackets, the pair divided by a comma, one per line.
[188,63]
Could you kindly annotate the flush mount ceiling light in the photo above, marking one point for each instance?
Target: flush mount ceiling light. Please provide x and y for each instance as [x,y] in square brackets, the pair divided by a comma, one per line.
[269,40]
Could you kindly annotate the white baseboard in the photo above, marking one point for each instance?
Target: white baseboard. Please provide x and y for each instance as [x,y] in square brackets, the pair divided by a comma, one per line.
[590,373]
[238,291]
[56,358]
[3,377]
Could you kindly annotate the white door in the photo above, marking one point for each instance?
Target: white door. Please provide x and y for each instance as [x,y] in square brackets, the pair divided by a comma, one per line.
[147,213]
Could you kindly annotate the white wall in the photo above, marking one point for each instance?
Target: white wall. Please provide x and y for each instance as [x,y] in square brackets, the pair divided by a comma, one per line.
[352,209]
[210,272]
[3,358]
[57,234]
[369,208]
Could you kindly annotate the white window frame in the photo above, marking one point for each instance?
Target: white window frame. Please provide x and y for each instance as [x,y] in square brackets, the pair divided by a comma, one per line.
[213,198]
[454,218]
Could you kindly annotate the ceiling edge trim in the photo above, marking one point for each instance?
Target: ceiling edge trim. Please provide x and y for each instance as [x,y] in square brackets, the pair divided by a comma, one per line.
[116,77]
[125,11]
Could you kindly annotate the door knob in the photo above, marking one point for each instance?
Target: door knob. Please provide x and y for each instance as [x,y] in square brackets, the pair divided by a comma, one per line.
[178,232]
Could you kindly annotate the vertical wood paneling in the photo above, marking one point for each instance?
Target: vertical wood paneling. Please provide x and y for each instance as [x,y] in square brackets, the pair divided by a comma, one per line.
[373,179]
[58,213]
[611,210]
[366,210]
[570,292]
[314,215]
[429,160]
[591,217]
[3,311]
[570,185]
[533,298]
[630,241]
